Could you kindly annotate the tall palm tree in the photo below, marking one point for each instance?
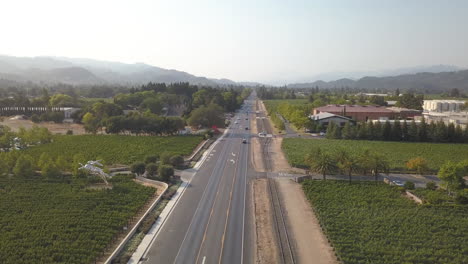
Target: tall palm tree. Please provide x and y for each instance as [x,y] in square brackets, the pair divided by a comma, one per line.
[323,164]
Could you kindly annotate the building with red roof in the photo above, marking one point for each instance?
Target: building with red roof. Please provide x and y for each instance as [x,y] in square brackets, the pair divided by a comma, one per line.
[363,113]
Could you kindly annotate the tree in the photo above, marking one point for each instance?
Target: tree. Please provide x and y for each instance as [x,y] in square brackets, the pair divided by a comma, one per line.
[151,159]
[348,132]
[323,163]
[378,164]
[422,131]
[4,170]
[78,161]
[151,169]
[413,132]
[24,167]
[207,116]
[138,168]
[165,158]
[451,175]
[409,100]
[387,131]
[418,164]
[454,92]
[50,171]
[404,131]
[62,164]
[165,172]
[177,161]
[396,131]
[91,123]
[61,100]
[348,164]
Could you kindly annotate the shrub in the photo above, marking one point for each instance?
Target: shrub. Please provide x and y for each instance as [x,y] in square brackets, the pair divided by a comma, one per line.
[418,164]
[462,197]
[35,118]
[431,185]
[151,159]
[165,158]
[138,168]
[165,172]
[151,169]
[177,160]
[409,185]
[69,132]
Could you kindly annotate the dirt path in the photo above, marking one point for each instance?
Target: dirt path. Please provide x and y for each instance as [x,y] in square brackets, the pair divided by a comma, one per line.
[267,252]
[310,243]
[54,128]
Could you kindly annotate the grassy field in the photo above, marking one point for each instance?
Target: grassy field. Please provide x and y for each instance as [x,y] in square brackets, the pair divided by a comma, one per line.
[115,149]
[397,153]
[373,223]
[44,222]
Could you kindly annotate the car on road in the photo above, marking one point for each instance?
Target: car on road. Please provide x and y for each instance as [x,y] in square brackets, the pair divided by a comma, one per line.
[244,140]
[262,134]
[246,128]
[398,183]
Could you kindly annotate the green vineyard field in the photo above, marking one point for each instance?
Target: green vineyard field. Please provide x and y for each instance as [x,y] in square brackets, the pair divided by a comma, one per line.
[115,148]
[397,153]
[43,222]
[372,223]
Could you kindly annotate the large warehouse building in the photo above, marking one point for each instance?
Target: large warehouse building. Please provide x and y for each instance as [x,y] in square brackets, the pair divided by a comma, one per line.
[364,113]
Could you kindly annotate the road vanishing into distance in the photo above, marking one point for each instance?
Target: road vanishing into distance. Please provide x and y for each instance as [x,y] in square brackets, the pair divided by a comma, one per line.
[211,223]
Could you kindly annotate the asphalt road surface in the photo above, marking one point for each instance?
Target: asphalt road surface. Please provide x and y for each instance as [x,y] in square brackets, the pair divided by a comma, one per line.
[209,222]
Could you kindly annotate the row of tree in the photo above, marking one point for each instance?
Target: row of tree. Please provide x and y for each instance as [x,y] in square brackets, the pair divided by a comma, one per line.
[10,140]
[137,123]
[399,131]
[341,161]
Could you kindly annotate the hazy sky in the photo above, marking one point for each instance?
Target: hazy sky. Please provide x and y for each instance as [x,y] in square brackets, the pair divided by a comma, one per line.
[243,40]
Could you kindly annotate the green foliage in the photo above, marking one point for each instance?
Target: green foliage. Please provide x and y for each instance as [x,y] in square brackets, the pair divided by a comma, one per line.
[373,223]
[409,185]
[138,168]
[151,159]
[431,186]
[418,164]
[151,169]
[177,161]
[114,149]
[165,172]
[411,101]
[52,222]
[397,153]
[207,116]
[165,158]
[24,167]
[451,175]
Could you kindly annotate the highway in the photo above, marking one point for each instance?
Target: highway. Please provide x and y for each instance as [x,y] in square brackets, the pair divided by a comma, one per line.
[210,222]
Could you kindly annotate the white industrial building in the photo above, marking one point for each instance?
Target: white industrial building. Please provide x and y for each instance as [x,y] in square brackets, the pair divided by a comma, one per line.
[443,105]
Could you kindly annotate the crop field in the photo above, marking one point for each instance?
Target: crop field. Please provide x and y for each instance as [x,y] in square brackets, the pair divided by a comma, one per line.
[397,153]
[115,149]
[369,222]
[43,222]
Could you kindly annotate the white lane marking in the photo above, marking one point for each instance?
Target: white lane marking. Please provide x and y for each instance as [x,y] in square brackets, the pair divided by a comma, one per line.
[204,258]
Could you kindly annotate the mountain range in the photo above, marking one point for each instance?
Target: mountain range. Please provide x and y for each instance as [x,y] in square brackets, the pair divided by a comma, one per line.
[51,70]
[87,72]
[425,82]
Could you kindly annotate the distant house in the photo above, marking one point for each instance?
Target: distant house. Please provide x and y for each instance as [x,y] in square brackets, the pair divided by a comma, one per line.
[364,113]
[324,119]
